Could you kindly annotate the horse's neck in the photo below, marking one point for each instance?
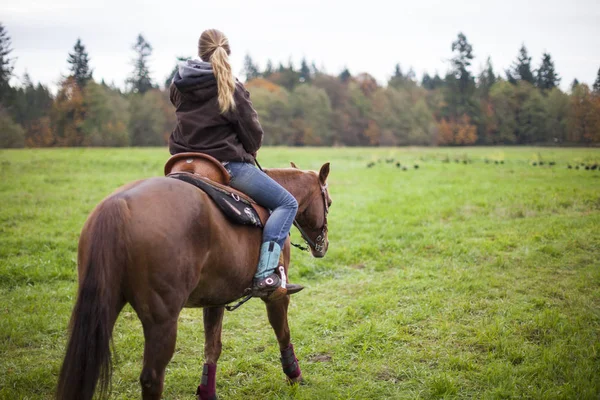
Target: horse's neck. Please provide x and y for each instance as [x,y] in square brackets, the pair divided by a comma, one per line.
[299,183]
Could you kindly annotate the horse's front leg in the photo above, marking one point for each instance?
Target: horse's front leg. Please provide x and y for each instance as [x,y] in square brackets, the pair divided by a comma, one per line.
[277,312]
[213,323]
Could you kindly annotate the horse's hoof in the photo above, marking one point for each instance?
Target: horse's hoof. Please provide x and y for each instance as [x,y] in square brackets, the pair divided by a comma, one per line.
[297,380]
[213,397]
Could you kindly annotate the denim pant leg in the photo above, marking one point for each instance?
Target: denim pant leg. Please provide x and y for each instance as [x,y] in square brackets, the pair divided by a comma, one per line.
[265,191]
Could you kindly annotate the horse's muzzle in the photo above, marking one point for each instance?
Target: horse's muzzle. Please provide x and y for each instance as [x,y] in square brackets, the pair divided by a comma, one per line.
[321,253]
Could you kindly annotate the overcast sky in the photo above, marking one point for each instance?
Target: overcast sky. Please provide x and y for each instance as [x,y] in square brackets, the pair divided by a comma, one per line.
[366,36]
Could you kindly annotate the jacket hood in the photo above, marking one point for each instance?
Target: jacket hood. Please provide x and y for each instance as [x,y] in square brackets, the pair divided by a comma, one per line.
[195,80]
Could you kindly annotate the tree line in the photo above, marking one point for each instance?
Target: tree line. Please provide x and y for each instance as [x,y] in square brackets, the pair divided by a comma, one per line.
[306,106]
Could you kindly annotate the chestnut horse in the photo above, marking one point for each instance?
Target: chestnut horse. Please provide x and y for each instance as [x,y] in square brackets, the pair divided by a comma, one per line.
[161,244]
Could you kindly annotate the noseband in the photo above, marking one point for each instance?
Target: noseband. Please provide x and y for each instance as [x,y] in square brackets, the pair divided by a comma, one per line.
[319,243]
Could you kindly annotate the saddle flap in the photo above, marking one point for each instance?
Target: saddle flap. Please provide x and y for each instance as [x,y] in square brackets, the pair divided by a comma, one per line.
[198,164]
[237,206]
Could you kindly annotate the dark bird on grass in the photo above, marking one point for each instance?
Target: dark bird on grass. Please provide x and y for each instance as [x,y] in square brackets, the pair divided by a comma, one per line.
[416,166]
[501,161]
[404,169]
[534,164]
[541,163]
[496,162]
[593,167]
[551,163]
[371,164]
[577,167]
[465,162]
[587,167]
[569,166]
[398,165]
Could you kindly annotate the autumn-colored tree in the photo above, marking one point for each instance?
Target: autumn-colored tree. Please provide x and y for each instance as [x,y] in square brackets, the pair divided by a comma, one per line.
[583,124]
[39,133]
[68,114]
[445,133]
[273,107]
[466,133]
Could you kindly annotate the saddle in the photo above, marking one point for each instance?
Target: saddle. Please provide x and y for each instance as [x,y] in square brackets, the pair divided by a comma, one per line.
[209,175]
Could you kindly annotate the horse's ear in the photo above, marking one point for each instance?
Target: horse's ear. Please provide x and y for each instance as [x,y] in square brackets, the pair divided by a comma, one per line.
[324,173]
[293,165]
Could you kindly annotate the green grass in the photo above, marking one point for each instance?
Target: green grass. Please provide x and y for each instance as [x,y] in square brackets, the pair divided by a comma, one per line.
[446,281]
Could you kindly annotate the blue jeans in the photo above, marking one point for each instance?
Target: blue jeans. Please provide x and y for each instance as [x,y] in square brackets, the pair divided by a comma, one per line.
[247,178]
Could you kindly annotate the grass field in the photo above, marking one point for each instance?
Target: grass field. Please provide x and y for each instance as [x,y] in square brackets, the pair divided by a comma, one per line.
[452,280]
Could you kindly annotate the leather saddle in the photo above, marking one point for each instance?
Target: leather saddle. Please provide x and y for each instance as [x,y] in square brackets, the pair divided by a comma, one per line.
[208,174]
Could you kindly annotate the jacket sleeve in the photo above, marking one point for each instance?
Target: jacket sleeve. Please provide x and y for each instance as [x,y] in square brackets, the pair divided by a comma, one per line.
[174,95]
[248,128]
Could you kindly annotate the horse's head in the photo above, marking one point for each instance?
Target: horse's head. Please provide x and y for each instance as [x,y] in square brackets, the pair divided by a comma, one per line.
[310,189]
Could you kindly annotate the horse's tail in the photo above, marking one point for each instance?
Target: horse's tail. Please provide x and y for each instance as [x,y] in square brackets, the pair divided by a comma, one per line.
[103,255]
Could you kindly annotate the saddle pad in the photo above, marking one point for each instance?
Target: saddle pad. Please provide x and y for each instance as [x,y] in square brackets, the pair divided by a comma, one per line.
[236,208]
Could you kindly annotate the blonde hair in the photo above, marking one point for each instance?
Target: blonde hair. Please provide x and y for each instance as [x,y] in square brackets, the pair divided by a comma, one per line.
[213,47]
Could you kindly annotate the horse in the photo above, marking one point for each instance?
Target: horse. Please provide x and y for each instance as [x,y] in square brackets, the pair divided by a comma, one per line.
[160,245]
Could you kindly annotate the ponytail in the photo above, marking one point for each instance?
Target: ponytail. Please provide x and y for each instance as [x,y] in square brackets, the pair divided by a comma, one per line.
[213,47]
[225,80]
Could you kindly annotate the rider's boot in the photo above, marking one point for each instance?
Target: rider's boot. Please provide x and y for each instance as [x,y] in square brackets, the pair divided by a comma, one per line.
[267,283]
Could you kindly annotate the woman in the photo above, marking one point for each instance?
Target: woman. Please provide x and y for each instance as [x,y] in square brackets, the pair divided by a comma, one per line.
[215,117]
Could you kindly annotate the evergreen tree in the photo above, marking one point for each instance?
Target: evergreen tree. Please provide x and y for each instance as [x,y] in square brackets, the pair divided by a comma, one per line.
[596,87]
[250,68]
[268,69]
[486,79]
[345,75]
[79,64]
[521,69]
[437,81]
[461,61]
[460,82]
[427,82]
[304,71]
[140,79]
[547,78]
[6,64]
[574,84]
[398,78]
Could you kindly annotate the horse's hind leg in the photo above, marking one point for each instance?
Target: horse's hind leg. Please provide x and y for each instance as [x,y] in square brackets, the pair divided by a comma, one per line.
[277,312]
[213,324]
[158,350]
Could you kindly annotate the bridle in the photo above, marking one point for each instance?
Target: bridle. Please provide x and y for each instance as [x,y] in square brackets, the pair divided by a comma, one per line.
[319,243]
